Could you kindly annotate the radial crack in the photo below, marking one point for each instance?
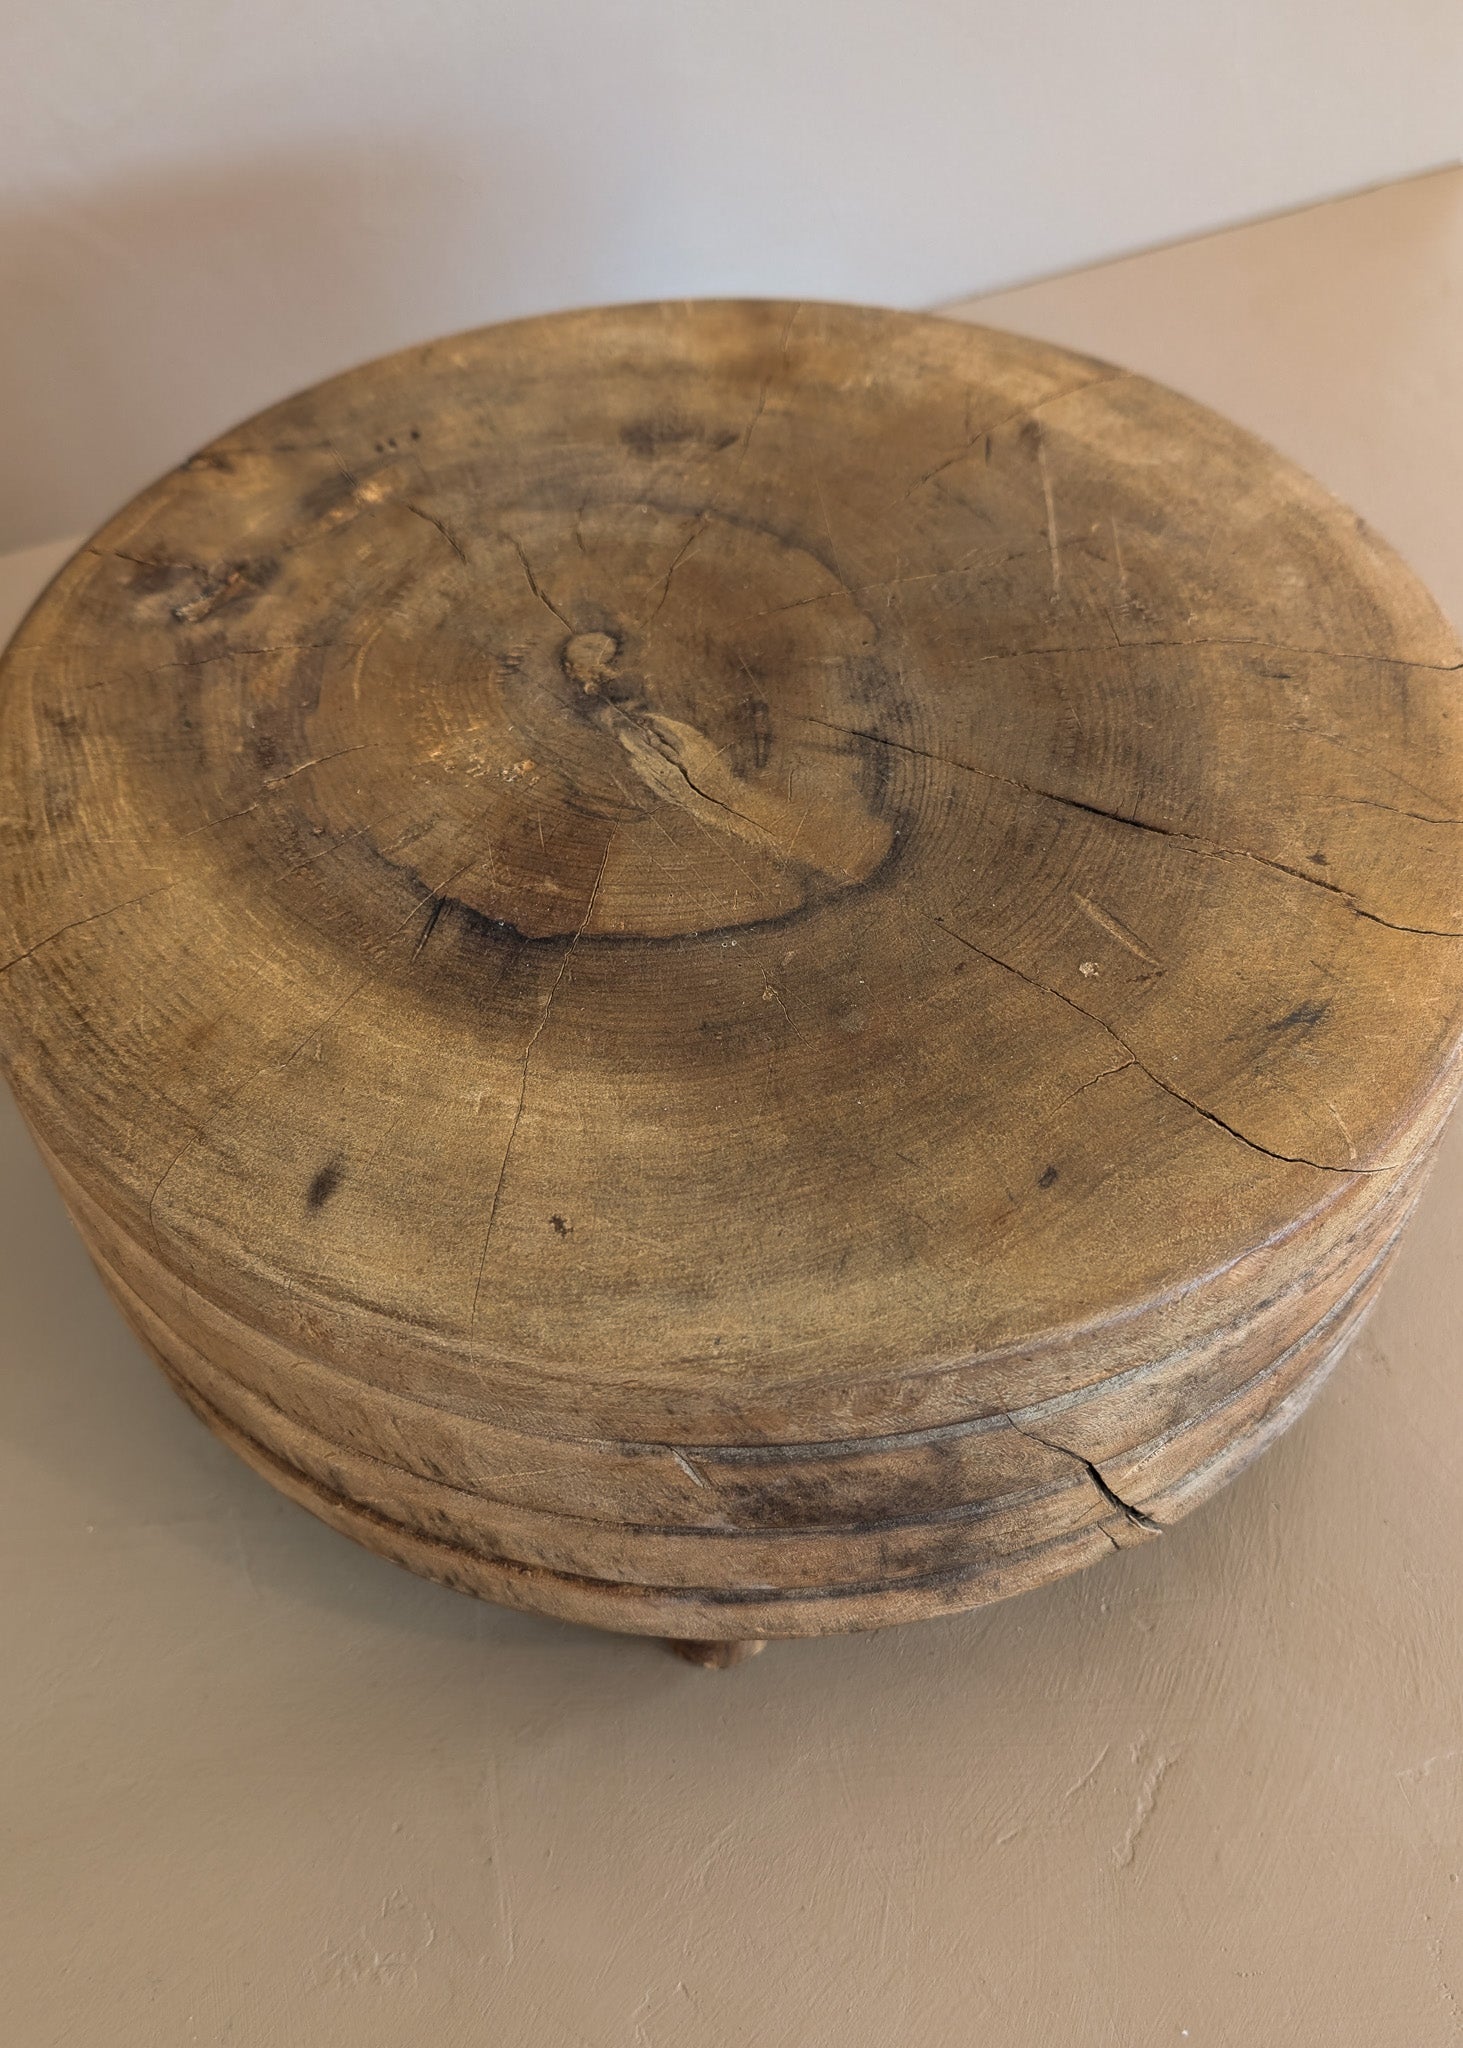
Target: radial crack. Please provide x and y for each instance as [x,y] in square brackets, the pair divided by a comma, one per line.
[237,654]
[1211,847]
[753,422]
[534,1037]
[1133,1514]
[432,520]
[1045,988]
[319,761]
[1095,1473]
[976,437]
[1053,539]
[1372,803]
[680,555]
[112,910]
[535,586]
[1438,668]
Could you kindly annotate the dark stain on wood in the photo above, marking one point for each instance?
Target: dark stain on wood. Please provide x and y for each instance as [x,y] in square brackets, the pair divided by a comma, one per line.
[324,1185]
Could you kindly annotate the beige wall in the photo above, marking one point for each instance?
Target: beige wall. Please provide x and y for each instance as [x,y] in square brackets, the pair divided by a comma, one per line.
[207,203]
[261,1789]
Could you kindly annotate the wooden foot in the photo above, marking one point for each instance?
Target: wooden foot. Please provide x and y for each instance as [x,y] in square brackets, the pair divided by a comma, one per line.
[716,1656]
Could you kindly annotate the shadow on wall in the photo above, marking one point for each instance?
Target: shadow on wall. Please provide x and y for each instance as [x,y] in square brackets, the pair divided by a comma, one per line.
[144,320]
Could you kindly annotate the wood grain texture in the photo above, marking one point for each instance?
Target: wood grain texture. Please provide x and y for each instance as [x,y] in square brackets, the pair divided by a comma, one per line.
[736,970]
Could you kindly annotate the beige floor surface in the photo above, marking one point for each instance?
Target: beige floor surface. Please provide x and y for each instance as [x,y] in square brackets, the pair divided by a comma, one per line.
[259,1789]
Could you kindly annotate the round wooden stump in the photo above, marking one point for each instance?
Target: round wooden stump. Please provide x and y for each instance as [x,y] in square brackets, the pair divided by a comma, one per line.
[736,970]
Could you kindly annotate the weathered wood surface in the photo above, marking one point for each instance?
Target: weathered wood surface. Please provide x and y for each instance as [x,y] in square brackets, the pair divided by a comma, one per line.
[736,970]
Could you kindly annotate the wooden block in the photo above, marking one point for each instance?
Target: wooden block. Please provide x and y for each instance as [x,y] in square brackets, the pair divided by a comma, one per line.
[736,970]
